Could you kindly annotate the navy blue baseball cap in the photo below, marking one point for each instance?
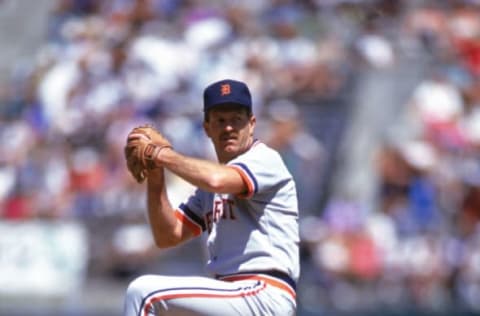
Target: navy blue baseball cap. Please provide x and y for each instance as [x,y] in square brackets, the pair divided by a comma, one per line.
[227,92]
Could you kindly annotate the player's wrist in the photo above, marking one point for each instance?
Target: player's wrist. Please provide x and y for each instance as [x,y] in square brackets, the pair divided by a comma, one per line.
[154,153]
[162,154]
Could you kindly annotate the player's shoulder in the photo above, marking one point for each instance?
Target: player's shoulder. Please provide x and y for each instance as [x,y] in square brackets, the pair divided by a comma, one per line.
[261,149]
[262,159]
[260,152]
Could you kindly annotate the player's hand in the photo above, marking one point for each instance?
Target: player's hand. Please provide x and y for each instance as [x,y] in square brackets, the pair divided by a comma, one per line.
[144,143]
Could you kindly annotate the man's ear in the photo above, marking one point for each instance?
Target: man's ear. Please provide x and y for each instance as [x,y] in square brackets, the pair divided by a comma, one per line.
[206,129]
[253,122]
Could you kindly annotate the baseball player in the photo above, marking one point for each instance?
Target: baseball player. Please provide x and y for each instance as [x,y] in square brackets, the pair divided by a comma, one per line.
[246,204]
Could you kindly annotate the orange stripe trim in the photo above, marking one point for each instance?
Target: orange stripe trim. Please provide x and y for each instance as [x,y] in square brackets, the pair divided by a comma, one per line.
[155,299]
[271,281]
[188,222]
[246,180]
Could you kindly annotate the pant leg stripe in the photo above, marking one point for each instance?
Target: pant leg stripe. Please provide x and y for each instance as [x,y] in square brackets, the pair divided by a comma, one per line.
[197,292]
[279,283]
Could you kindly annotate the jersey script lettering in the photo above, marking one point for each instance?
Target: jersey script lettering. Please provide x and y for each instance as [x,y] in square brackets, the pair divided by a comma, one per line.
[222,209]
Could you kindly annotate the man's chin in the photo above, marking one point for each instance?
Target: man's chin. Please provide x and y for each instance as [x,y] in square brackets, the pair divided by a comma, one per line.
[231,149]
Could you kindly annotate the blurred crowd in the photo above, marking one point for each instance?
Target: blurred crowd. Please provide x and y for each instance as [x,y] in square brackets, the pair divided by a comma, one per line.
[418,244]
[110,65]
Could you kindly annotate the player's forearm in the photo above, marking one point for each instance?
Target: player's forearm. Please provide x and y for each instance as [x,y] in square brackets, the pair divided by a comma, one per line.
[163,223]
[206,175]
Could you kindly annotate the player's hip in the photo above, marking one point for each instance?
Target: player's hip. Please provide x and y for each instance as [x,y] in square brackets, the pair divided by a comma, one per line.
[276,280]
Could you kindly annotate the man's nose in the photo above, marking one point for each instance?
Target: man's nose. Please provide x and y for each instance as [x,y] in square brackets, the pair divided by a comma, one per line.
[228,126]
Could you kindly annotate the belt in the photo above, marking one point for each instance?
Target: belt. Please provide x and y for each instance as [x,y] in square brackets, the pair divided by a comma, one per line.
[274,278]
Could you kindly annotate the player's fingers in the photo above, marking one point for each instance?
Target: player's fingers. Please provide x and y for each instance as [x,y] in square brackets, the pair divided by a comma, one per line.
[147,130]
[138,133]
[137,136]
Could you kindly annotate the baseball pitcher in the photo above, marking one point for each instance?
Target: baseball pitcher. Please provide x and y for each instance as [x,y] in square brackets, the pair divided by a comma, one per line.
[246,203]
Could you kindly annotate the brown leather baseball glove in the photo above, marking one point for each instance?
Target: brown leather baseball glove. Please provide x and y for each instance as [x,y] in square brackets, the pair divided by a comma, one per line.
[134,165]
[144,143]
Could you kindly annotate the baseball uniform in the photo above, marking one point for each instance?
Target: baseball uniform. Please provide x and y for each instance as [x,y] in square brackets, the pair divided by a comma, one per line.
[252,243]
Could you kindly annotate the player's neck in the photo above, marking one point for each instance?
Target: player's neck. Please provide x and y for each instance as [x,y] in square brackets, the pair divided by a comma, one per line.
[224,158]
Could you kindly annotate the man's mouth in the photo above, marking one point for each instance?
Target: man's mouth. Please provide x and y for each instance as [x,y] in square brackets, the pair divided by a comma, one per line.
[227,138]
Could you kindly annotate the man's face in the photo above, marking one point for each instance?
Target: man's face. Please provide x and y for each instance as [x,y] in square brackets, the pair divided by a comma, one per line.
[231,131]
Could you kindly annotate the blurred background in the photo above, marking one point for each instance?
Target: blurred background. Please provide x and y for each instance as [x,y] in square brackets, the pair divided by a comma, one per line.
[373,104]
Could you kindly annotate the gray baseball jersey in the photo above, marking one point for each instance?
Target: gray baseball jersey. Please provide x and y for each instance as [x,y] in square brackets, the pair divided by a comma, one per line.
[256,231]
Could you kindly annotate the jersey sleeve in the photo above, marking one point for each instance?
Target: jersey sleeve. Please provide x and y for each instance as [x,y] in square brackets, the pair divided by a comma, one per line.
[190,213]
[261,169]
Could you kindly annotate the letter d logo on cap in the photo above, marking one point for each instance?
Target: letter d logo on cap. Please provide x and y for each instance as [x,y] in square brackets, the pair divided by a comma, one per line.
[225,89]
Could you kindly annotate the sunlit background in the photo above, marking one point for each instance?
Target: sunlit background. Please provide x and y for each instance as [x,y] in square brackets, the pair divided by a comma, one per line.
[374,106]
